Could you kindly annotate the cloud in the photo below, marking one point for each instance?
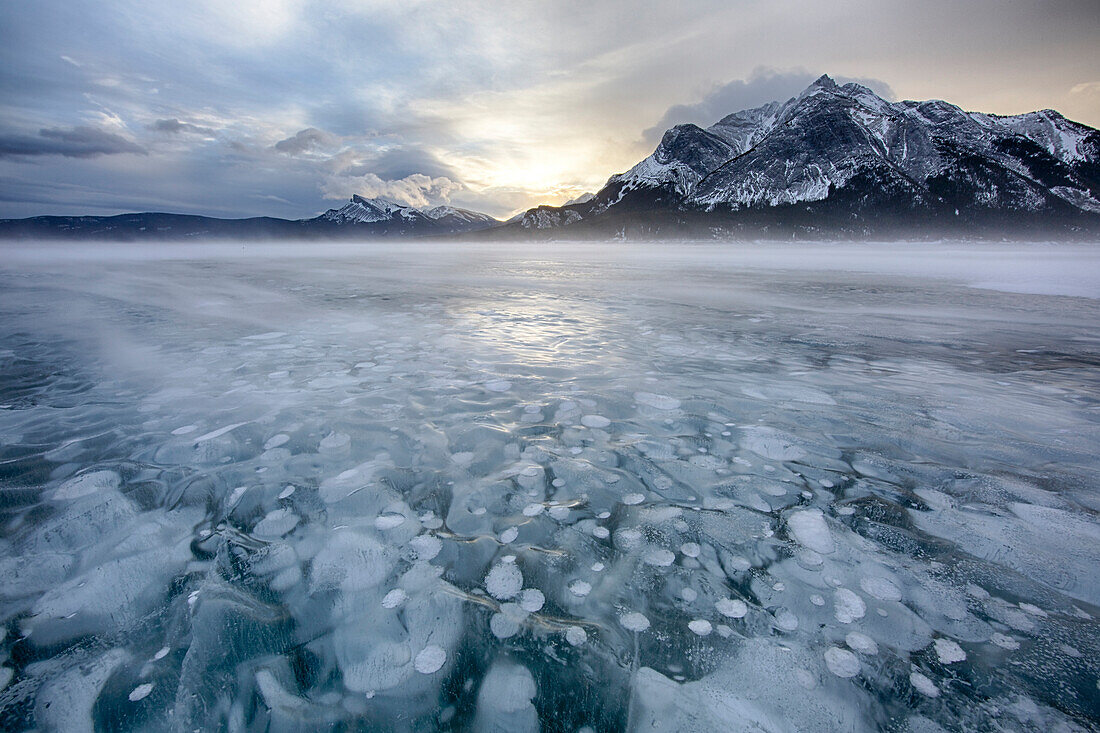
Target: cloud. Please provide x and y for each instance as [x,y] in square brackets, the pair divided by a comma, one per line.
[305,141]
[763,85]
[416,190]
[174,126]
[1088,87]
[74,142]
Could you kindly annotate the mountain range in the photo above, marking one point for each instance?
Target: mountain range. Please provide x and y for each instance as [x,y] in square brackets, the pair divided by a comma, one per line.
[835,161]
[359,218]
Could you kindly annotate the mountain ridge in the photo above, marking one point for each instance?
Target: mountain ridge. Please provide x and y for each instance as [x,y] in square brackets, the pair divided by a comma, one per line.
[360,217]
[861,165]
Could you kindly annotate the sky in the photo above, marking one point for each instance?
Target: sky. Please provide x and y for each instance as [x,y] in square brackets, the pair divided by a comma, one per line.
[288,107]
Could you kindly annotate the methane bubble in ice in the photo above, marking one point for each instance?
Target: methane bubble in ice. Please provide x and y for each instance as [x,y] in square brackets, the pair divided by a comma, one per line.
[575,635]
[731,608]
[140,692]
[810,530]
[634,621]
[595,421]
[923,685]
[949,651]
[430,659]
[504,580]
[841,662]
[699,627]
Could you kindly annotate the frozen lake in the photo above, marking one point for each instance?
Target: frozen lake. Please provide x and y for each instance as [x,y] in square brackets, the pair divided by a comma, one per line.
[689,487]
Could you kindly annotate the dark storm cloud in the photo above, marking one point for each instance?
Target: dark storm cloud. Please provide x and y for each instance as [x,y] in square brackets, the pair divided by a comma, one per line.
[174,126]
[761,87]
[74,142]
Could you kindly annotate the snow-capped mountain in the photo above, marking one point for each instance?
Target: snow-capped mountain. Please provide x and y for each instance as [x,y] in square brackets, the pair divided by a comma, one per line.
[842,154]
[361,210]
[389,216]
[359,218]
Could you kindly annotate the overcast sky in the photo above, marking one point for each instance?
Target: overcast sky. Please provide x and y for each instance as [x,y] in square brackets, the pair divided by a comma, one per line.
[287,107]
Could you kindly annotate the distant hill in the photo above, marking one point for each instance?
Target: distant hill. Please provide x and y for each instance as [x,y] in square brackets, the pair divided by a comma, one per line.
[360,218]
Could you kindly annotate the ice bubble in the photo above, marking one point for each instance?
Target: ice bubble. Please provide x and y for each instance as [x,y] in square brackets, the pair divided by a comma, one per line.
[285,493]
[861,643]
[394,598]
[634,621]
[628,538]
[575,635]
[509,535]
[498,386]
[162,653]
[689,595]
[185,430]
[503,627]
[530,471]
[817,600]
[218,433]
[923,685]
[880,588]
[504,700]
[334,443]
[810,530]
[731,607]
[504,580]
[724,631]
[603,515]
[531,600]
[276,523]
[841,662]
[389,520]
[595,421]
[1004,641]
[597,566]
[948,651]
[580,588]
[533,510]
[700,627]
[690,549]
[430,659]
[276,440]
[601,532]
[659,557]
[558,512]
[631,499]
[656,401]
[786,620]
[849,606]
[140,692]
[426,546]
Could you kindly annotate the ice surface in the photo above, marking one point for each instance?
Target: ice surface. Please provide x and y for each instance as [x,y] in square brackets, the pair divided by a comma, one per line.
[685,488]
